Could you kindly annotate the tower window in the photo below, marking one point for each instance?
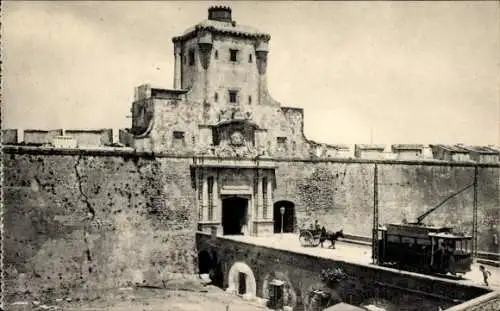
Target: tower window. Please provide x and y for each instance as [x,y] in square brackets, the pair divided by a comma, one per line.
[249,100]
[216,97]
[191,57]
[250,58]
[216,55]
[281,143]
[178,135]
[233,55]
[233,96]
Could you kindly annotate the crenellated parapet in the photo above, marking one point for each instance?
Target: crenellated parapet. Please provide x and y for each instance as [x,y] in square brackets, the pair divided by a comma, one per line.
[60,138]
[236,134]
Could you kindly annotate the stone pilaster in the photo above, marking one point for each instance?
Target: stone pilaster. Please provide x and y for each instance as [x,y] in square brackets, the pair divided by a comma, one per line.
[215,201]
[269,198]
[204,201]
[260,195]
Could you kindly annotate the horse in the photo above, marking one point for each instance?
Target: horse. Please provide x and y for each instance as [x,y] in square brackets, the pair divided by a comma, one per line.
[330,236]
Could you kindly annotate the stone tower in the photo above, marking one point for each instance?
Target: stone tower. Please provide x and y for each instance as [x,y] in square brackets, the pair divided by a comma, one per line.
[220,105]
[221,62]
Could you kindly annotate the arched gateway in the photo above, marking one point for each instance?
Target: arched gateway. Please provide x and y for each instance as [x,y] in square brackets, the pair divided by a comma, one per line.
[235,189]
[288,216]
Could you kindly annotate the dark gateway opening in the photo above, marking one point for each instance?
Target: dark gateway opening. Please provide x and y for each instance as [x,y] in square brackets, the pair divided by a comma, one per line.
[209,264]
[234,215]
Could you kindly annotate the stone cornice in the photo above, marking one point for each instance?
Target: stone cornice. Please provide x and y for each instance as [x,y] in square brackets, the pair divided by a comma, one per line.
[223,31]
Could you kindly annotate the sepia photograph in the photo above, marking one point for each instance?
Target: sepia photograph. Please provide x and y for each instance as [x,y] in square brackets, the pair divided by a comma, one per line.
[250,155]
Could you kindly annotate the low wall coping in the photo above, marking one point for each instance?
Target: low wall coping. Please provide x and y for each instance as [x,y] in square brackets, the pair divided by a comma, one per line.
[475,302]
[129,151]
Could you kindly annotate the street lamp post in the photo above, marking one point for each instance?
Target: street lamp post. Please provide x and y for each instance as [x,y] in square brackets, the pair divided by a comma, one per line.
[282,212]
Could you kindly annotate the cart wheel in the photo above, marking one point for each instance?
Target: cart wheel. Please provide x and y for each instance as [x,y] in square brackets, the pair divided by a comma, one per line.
[316,241]
[306,238]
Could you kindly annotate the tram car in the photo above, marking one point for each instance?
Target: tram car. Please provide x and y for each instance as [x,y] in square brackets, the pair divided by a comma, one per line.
[424,249]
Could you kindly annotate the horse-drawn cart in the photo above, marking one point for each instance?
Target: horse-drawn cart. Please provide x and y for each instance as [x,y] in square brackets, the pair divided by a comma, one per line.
[309,237]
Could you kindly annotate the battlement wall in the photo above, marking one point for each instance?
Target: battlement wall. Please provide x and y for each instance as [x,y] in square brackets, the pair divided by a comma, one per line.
[401,152]
[135,212]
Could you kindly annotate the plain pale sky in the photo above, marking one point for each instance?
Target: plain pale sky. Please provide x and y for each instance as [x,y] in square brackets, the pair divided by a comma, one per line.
[415,72]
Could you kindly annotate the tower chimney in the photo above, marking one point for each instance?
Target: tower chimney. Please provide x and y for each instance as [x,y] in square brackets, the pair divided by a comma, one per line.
[220,13]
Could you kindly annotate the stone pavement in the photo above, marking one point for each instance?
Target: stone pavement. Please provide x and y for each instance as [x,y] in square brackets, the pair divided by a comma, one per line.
[353,253]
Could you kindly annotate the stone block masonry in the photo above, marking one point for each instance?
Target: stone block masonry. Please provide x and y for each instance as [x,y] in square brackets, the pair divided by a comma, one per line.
[301,274]
[108,218]
[340,194]
[98,221]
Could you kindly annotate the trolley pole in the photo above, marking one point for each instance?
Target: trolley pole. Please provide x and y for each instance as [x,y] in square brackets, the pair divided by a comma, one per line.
[474,212]
[375,216]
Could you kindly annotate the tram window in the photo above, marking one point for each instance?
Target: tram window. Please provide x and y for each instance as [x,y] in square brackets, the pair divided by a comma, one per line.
[393,238]
[463,245]
[466,245]
[440,243]
[407,240]
[423,242]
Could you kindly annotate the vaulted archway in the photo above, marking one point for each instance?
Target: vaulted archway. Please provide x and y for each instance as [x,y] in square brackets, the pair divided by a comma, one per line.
[289,218]
[204,262]
[208,263]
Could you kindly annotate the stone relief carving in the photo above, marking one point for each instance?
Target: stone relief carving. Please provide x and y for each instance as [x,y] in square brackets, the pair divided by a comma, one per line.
[234,113]
[229,150]
[237,139]
[237,145]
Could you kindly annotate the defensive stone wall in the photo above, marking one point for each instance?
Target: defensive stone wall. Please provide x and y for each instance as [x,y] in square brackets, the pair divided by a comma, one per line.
[340,194]
[104,218]
[302,272]
[95,219]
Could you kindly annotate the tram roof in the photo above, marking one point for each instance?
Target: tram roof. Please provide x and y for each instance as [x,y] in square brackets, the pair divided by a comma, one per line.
[415,228]
[450,236]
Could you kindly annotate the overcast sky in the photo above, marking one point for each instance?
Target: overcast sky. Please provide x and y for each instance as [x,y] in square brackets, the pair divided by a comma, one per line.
[415,72]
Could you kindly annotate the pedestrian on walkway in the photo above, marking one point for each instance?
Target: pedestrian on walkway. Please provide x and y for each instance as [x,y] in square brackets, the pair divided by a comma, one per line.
[486,274]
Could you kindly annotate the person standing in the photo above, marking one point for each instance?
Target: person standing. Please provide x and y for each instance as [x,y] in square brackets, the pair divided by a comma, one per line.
[486,274]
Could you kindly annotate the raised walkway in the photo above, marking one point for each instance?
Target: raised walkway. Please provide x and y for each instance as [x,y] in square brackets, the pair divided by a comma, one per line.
[353,253]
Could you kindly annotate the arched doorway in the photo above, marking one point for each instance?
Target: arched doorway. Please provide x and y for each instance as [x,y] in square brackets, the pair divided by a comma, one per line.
[209,264]
[273,291]
[241,280]
[204,262]
[288,217]
[234,215]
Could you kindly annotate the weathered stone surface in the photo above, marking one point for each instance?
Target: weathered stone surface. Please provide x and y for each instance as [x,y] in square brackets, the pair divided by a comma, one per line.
[75,221]
[341,195]
[112,219]
[302,274]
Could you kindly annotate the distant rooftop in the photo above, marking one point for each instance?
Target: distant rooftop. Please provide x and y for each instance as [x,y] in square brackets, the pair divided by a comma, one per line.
[454,149]
[480,149]
[407,147]
[370,147]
